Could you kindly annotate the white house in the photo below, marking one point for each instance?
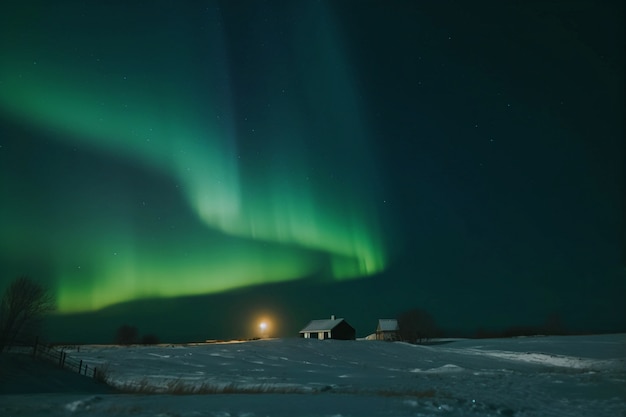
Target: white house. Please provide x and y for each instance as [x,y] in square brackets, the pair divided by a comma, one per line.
[332,328]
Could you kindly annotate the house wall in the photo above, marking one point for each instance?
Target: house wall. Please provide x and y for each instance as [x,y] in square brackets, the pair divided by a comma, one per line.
[343,331]
[389,336]
[317,335]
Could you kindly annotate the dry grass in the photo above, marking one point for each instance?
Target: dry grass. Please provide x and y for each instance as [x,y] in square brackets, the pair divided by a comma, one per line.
[103,373]
[180,387]
[430,393]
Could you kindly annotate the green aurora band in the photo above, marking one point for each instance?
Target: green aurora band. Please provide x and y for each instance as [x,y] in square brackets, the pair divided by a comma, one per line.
[271,212]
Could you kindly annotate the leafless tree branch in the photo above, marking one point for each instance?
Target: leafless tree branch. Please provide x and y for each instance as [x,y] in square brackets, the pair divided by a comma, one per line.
[24,304]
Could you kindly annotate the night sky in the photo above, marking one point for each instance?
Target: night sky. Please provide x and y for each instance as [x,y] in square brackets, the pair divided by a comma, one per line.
[193,167]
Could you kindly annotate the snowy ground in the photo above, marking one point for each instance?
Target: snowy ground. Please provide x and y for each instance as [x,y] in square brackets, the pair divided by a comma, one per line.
[539,376]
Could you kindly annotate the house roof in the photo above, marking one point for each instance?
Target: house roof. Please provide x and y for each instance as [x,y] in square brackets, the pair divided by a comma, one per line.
[321,325]
[388,325]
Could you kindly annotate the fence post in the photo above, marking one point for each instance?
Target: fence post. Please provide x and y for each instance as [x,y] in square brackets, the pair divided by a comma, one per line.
[86,368]
[95,371]
[80,365]
[61,359]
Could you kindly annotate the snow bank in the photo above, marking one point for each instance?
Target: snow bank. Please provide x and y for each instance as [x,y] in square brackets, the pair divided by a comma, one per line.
[556,376]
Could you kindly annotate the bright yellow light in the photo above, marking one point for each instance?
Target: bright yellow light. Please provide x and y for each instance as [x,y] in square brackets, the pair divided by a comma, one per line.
[264,326]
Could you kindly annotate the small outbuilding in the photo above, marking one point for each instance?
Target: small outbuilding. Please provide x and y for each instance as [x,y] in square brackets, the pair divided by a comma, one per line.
[332,328]
[388,330]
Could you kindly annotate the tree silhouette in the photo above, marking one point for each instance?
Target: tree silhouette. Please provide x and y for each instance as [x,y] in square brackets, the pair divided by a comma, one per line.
[22,308]
[126,335]
[417,326]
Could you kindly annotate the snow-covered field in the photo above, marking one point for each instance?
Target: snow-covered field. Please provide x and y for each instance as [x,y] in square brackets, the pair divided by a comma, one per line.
[539,376]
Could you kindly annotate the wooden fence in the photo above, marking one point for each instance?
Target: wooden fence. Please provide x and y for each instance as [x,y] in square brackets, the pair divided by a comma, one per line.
[59,357]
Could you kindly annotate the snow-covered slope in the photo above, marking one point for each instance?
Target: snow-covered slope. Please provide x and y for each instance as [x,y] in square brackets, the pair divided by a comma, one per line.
[545,376]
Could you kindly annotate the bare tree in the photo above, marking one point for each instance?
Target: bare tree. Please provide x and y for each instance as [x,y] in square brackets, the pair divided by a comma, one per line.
[22,308]
[417,326]
[126,335]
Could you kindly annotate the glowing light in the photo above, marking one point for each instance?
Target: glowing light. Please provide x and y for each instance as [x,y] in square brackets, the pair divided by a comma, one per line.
[264,327]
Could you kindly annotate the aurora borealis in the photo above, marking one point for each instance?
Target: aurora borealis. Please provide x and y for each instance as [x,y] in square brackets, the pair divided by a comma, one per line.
[269,213]
[389,150]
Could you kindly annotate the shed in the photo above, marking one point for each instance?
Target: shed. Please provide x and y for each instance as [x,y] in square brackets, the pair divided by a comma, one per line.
[332,328]
[387,330]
